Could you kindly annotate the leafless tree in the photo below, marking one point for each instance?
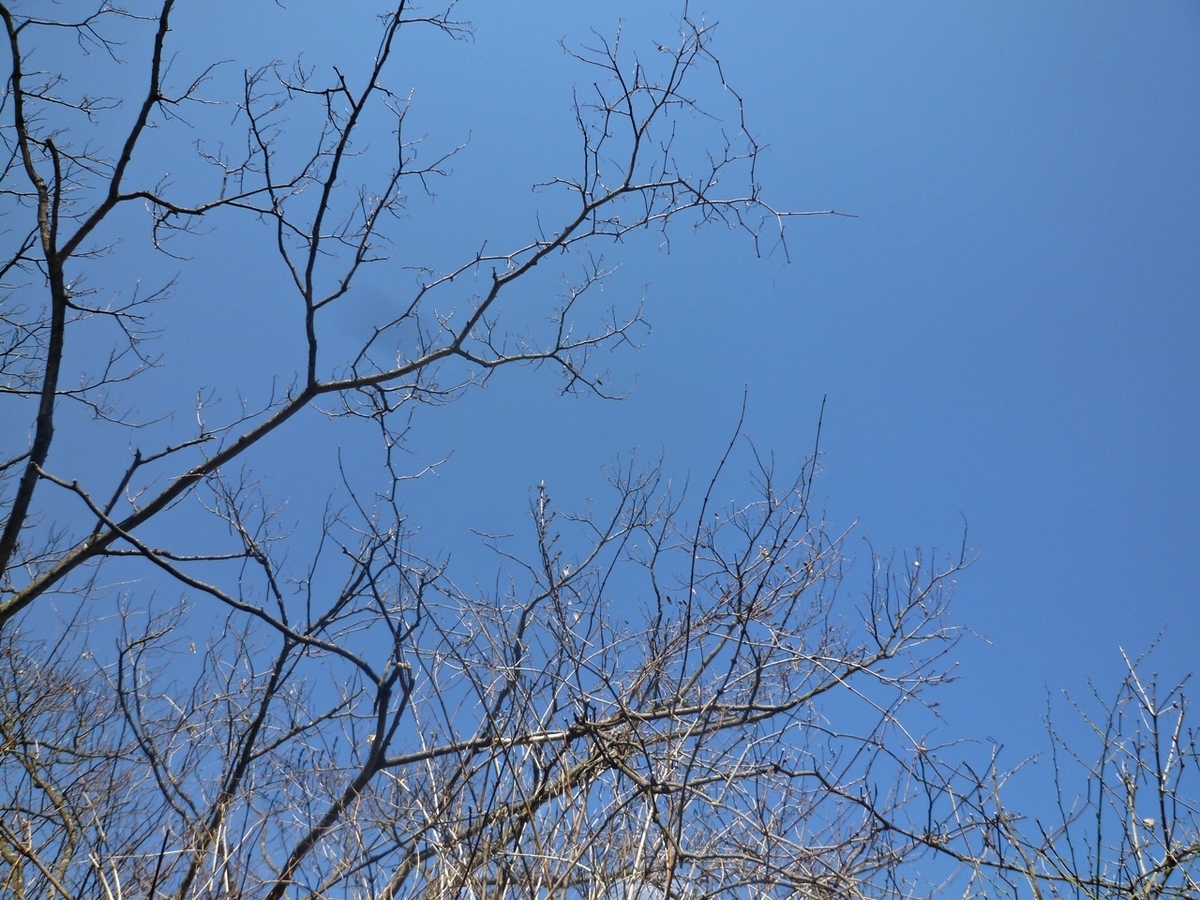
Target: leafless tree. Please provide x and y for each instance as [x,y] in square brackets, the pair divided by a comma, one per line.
[656,700]
[548,740]
[1126,824]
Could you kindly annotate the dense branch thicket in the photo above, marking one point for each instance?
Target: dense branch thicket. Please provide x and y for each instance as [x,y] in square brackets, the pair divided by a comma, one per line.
[198,701]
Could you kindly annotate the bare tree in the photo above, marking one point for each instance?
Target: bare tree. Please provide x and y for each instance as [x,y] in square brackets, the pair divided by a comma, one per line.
[529,743]
[1125,823]
[643,707]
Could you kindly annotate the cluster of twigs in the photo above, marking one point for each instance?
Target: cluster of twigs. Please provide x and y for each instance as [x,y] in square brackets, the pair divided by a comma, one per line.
[651,716]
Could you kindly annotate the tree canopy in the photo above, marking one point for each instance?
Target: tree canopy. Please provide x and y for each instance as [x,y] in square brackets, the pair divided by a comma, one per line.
[660,695]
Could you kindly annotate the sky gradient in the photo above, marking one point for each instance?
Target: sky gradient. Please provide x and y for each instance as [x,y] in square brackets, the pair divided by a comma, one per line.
[1007,334]
[1004,336]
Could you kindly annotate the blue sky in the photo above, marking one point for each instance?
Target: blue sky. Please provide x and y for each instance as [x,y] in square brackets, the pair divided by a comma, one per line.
[1006,334]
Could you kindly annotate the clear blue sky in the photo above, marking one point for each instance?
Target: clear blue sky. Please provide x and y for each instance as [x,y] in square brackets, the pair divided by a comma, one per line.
[1007,334]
